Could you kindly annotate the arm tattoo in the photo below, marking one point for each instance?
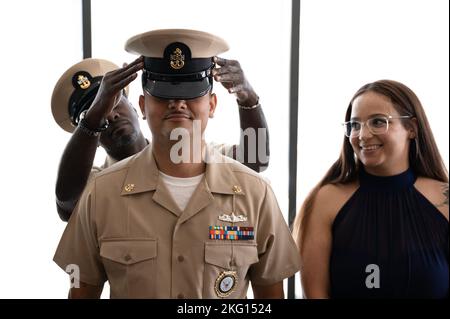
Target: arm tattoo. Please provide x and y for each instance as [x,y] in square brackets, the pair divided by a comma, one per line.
[445,193]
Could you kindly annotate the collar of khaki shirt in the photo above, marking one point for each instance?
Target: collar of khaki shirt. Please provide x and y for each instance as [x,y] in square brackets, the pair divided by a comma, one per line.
[143,174]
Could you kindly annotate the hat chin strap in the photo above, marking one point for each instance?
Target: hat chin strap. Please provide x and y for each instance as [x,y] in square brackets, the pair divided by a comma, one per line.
[188,94]
[190,77]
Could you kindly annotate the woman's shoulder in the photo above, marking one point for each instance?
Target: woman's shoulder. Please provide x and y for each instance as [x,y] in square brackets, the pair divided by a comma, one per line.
[337,192]
[435,191]
[332,197]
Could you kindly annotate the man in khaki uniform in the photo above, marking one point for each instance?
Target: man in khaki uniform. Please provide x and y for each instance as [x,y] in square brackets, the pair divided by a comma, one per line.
[81,104]
[158,228]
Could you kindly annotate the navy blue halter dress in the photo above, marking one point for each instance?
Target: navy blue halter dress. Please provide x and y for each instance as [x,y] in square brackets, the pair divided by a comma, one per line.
[389,241]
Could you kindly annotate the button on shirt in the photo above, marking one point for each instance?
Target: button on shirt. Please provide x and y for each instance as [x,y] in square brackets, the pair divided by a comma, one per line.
[127,229]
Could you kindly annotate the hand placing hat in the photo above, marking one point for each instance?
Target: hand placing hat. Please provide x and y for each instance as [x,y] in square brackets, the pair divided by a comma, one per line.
[231,76]
[110,92]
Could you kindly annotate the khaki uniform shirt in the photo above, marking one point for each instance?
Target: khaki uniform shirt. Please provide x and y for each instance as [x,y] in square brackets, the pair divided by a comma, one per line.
[224,149]
[128,230]
[109,161]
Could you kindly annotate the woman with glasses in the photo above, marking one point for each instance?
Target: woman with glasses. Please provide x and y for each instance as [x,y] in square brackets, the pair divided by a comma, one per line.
[376,226]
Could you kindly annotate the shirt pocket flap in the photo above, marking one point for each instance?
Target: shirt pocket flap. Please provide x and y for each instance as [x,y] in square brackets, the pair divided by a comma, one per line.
[221,255]
[129,252]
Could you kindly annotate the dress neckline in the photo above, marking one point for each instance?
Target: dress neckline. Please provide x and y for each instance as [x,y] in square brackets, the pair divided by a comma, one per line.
[391,183]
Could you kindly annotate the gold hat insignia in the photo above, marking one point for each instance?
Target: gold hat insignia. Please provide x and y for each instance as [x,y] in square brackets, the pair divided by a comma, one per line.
[83,82]
[177,59]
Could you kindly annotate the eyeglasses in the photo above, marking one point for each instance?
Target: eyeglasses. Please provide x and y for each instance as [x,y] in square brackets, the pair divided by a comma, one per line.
[376,125]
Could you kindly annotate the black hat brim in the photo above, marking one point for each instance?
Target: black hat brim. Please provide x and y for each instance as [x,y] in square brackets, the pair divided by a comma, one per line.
[178,90]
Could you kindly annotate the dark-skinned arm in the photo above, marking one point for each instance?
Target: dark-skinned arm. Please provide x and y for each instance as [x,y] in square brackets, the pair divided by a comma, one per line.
[274,291]
[255,119]
[73,172]
[232,77]
[78,156]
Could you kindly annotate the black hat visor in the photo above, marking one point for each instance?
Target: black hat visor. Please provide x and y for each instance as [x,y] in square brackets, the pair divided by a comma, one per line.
[178,90]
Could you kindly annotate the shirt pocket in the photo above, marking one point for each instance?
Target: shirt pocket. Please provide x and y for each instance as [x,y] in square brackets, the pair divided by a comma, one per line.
[130,265]
[218,260]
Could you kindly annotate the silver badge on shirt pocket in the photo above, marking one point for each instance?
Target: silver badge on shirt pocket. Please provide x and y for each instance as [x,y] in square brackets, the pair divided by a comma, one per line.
[232,218]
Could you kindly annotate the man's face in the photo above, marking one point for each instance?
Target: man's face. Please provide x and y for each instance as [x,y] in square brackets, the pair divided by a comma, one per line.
[123,130]
[163,115]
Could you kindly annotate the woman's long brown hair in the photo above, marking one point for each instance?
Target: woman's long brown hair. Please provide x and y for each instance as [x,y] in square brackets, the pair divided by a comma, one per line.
[424,157]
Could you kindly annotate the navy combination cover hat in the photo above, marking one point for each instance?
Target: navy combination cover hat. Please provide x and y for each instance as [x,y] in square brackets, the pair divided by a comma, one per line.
[177,62]
[76,90]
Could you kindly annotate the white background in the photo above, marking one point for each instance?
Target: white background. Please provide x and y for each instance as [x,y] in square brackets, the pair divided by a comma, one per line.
[344,44]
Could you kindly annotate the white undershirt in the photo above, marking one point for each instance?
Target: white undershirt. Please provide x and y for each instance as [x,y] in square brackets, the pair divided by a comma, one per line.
[180,188]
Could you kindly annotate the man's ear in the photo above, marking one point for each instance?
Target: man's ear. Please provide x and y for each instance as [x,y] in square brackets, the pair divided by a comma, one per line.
[142,104]
[212,104]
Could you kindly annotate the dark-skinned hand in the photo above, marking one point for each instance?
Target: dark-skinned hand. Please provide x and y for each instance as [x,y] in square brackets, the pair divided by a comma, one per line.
[230,75]
[110,92]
